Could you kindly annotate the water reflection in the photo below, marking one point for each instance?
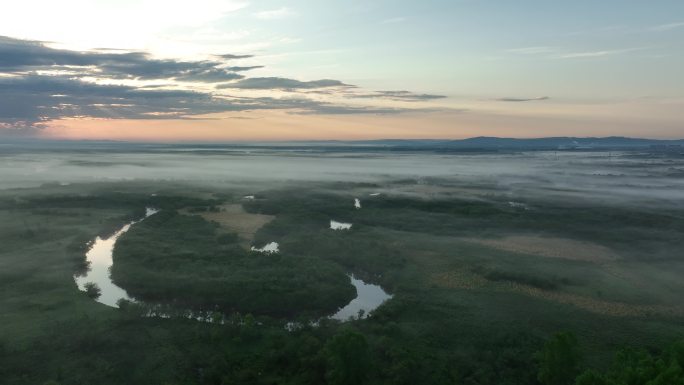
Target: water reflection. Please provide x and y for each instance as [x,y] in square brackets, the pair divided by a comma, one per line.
[368,298]
[99,259]
[270,248]
[335,225]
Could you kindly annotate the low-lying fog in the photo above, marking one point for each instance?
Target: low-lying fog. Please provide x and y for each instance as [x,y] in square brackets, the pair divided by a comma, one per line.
[616,177]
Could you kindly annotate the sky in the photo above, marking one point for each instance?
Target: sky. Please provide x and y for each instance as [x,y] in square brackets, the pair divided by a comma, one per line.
[236,70]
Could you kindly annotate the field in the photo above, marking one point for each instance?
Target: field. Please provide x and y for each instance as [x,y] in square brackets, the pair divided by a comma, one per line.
[233,219]
[484,263]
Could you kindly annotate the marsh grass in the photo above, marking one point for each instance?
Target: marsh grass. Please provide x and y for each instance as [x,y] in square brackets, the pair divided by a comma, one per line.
[184,260]
[461,312]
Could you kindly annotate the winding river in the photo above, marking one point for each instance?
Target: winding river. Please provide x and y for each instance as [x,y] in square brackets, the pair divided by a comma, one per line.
[100,260]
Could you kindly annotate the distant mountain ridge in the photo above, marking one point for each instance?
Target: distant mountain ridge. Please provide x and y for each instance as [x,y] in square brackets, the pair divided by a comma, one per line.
[480,143]
[563,142]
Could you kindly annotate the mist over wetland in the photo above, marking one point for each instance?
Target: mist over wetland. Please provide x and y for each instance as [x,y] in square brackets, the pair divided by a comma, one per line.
[275,259]
[385,192]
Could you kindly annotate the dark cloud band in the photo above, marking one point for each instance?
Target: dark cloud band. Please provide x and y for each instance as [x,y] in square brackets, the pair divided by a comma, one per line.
[39,84]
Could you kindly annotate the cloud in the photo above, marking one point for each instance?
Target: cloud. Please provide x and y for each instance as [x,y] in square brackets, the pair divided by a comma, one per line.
[39,84]
[270,83]
[212,75]
[522,99]
[667,27]
[32,99]
[589,54]
[242,69]
[274,14]
[21,55]
[558,53]
[303,106]
[404,96]
[594,54]
[336,109]
[393,20]
[533,50]
[231,56]
[149,69]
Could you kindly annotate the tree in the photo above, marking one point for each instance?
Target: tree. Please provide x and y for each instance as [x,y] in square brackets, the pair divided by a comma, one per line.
[639,367]
[559,360]
[591,377]
[670,374]
[348,359]
[632,366]
[92,290]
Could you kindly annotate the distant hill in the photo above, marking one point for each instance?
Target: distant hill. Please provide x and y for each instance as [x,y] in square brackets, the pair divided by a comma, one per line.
[484,142]
[566,142]
[477,144]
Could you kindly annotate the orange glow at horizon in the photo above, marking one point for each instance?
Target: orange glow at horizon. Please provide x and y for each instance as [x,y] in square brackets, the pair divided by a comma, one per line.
[285,126]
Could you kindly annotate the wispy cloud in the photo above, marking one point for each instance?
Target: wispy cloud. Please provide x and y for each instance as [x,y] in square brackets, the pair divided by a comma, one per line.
[533,50]
[564,53]
[602,31]
[275,14]
[277,83]
[559,53]
[403,96]
[230,56]
[596,54]
[243,68]
[512,99]
[668,26]
[393,20]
